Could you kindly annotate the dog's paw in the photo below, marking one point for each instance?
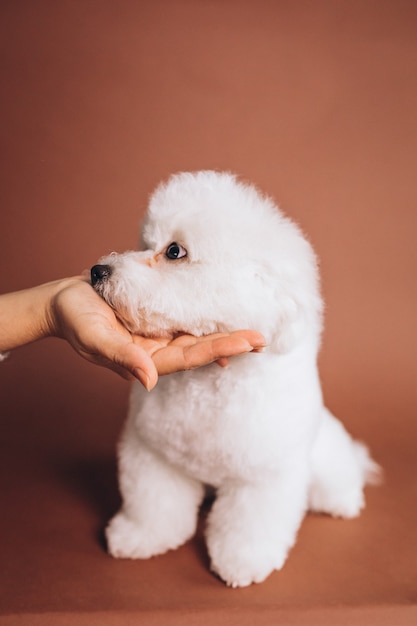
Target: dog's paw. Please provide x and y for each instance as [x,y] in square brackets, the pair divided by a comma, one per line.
[245,567]
[240,564]
[346,503]
[128,539]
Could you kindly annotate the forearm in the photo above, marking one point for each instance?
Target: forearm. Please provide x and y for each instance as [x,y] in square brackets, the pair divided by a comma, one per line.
[25,315]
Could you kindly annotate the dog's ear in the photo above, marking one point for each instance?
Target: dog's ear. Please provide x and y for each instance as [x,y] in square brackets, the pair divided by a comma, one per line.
[292,308]
[289,326]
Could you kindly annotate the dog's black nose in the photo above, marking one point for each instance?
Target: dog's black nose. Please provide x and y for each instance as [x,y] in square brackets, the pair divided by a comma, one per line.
[100,273]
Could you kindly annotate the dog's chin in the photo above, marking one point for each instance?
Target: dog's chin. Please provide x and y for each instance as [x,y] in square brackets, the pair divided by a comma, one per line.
[146,326]
[155,326]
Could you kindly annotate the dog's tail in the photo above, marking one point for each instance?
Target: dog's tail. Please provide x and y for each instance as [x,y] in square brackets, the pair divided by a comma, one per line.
[371,471]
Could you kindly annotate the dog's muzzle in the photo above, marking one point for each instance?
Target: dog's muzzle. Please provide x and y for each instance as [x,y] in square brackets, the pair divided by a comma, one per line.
[100,273]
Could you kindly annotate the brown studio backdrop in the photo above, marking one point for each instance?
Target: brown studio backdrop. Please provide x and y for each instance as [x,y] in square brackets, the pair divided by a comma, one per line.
[315,102]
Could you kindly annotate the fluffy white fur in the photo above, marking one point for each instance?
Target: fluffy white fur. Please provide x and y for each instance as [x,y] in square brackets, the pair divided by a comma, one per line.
[256,431]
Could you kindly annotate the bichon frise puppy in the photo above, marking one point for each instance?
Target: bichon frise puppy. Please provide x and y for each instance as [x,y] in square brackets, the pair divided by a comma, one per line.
[219,257]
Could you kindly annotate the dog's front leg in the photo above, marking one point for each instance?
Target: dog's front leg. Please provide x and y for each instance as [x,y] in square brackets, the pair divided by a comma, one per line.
[252,527]
[160,504]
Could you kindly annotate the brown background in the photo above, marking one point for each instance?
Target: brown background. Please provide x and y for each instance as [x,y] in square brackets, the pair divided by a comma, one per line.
[316,103]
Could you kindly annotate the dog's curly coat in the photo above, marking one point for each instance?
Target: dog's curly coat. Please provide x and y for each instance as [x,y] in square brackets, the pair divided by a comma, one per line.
[219,257]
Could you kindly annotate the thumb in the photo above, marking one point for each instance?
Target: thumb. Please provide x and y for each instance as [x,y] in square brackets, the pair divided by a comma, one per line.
[138,363]
[119,353]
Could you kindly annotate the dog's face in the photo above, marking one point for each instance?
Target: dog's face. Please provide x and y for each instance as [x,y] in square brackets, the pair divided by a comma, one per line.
[218,257]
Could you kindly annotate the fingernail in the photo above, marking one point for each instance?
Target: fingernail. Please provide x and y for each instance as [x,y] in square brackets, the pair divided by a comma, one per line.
[143,378]
[259,349]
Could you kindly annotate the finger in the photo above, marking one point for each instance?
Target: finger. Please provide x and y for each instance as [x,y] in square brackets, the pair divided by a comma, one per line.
[229,345]
[221,347]
[177,357]
[252,337]
[255,339]
[130,361]
[138,363]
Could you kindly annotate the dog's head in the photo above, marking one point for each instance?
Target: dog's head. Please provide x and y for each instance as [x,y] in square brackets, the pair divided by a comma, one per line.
[218,256]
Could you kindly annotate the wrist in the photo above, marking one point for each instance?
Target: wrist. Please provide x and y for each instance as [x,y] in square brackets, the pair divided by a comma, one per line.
[52,317]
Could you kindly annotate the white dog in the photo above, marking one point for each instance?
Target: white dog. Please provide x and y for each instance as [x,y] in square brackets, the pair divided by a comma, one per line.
[220,257]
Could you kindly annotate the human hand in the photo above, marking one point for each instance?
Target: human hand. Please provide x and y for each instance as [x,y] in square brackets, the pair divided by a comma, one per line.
[80,316]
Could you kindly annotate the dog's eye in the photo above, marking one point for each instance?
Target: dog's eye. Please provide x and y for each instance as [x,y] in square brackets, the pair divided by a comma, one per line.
[175,251]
